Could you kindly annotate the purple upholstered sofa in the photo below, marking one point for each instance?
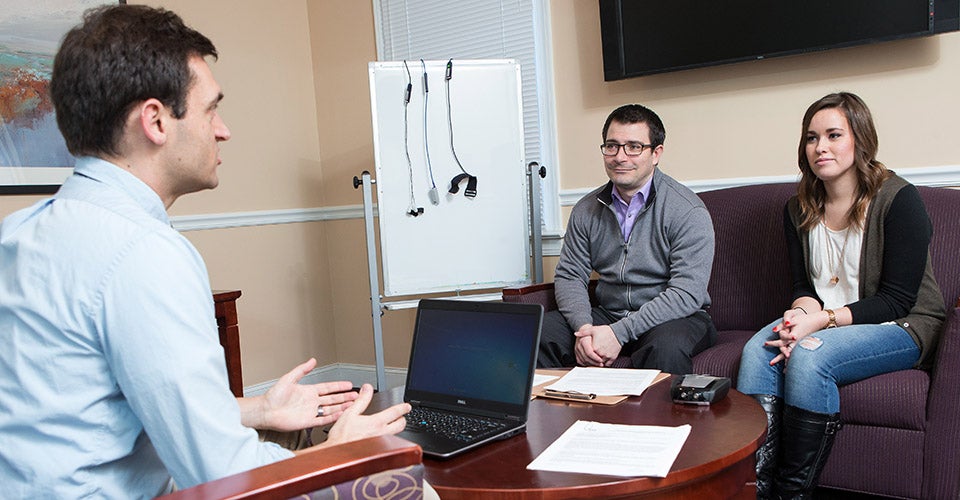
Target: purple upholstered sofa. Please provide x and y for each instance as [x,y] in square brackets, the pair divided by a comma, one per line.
[901,434]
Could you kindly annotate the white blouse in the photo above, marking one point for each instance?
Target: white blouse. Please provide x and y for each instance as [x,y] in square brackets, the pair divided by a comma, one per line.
[835,264]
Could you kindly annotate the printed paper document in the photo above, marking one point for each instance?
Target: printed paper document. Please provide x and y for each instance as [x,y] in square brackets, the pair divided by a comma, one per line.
[606,381]
[542,379]
[614,449]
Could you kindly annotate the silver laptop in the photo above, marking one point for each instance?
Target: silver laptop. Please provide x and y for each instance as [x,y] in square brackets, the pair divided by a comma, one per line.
[470,373]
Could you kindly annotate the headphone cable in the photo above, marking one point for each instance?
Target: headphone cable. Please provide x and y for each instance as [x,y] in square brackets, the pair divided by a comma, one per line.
[413,210]
[471,190]
[433,194]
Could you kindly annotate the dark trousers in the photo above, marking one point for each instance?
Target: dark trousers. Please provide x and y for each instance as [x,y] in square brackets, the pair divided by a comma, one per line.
[668,347]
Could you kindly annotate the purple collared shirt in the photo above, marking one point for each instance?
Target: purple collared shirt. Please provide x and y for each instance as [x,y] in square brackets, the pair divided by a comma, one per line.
[627,212]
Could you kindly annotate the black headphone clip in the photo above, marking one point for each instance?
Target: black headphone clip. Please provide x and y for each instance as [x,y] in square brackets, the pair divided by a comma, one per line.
[471,190]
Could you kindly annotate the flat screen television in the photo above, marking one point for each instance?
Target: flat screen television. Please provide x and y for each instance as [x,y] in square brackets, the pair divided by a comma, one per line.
[643,37]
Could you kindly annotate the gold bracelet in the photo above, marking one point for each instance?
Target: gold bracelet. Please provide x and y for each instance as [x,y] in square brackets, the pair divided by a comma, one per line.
[831,318]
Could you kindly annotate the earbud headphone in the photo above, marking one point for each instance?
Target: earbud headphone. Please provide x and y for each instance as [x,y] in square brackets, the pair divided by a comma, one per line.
[413,210]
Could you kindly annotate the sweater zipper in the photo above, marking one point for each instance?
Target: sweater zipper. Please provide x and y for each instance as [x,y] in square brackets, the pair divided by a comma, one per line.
[623,254]
[623,267]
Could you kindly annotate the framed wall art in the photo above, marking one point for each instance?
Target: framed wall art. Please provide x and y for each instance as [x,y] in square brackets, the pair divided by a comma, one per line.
[33,156]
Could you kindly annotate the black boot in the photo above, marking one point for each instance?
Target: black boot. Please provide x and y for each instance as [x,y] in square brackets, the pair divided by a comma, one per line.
[805,443]
[767,453]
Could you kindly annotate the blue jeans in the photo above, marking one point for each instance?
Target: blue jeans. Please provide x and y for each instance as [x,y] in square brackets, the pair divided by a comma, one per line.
[811,378]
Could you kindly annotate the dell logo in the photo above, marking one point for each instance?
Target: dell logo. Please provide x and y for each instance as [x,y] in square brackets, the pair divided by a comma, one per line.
[461,402]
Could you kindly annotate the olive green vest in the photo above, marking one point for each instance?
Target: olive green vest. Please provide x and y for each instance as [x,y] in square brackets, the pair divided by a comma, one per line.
[925,320]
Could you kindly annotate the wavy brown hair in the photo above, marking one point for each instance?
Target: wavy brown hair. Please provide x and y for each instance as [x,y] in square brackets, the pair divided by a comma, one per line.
[870,172]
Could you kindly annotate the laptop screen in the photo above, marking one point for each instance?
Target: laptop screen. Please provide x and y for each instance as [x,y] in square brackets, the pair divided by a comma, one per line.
[474,354]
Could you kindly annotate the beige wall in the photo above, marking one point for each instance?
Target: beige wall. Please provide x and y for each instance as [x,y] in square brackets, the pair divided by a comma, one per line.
[297,101]
[743,119]
[273,161]
[343,43]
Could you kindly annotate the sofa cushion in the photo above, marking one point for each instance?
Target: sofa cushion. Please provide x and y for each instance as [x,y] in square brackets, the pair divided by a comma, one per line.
[897,399]
[876,460]
[749,286]
[942,208]
[723,359]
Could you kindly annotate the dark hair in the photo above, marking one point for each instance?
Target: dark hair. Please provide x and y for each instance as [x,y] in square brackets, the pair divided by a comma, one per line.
[120,55]
[870,172]
[635,113]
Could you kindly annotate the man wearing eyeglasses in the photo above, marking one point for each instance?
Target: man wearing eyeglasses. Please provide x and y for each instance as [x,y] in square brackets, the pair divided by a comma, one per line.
[650,241]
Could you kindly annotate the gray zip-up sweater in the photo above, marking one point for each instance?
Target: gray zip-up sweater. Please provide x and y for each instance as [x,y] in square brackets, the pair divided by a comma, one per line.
[659,275]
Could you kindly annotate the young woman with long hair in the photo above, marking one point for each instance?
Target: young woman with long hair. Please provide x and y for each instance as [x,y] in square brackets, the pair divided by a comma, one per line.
[865,301]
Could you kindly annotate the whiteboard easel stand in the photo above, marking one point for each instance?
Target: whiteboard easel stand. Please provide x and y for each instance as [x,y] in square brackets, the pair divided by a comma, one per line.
[377,306]
[536,172]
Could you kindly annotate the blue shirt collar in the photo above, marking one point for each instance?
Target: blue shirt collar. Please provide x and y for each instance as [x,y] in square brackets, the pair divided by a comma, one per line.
[110,174]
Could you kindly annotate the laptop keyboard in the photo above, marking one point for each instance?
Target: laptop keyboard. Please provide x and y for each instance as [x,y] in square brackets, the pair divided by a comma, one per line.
[451,425]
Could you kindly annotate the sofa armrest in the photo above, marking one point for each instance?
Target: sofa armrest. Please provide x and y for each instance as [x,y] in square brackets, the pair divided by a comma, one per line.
[538,293]
[942,444]
[311,471]
[543,294]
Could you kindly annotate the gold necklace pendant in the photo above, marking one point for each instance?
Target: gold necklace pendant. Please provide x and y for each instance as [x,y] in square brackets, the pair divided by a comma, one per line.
[831,252]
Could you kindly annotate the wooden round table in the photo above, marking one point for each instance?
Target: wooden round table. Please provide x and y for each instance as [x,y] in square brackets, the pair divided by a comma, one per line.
[717,460]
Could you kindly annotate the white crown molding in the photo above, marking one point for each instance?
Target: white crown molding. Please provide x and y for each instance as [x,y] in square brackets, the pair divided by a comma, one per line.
[551,244]
[356,374]
[266,217]
[945,176]
[923,176]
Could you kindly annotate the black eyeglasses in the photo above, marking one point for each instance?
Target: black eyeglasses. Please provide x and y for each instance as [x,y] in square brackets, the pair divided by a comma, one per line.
[630,148]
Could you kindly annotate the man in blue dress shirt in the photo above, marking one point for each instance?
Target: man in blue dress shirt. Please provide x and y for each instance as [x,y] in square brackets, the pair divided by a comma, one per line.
[112,381]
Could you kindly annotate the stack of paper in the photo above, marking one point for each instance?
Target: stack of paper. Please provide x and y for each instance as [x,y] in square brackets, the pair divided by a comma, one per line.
[606,381]
[614,449]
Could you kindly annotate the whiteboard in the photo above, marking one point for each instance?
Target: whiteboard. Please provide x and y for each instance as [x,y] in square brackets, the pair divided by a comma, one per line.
[459,243]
